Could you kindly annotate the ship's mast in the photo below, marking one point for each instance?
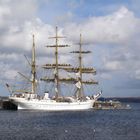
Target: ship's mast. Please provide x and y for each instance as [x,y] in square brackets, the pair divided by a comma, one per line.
[80,64]
[67,67]
[56,68]
[33,68]
[80,70]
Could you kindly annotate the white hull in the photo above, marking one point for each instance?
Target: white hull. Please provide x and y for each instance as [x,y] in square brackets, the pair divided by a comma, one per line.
[51,105]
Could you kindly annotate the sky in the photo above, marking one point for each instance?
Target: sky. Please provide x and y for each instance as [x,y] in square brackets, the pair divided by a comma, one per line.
[109,28]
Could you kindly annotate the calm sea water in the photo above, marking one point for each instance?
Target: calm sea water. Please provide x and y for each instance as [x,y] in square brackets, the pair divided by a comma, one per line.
[81,125]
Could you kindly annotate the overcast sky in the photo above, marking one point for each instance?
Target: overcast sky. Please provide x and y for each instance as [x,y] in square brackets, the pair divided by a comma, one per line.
[111,28]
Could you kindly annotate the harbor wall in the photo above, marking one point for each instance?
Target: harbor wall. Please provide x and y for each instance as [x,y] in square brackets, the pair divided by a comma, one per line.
[121,99]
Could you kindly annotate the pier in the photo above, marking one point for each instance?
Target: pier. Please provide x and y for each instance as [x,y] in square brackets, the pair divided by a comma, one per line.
[110,105]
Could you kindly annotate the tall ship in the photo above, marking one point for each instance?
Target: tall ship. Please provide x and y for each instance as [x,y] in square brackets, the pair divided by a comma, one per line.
[32,100]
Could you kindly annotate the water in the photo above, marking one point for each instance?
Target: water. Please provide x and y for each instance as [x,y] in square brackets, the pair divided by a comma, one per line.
[82,125]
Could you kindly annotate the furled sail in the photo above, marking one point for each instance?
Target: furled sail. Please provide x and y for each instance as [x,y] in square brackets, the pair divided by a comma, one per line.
[78,84]
[53,46]
[53,66]
[81,52]
[83,70]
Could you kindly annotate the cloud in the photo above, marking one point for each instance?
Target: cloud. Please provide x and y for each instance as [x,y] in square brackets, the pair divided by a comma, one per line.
[118,28]
[118,36]
[137,74]
[15,12]
[4,12]
[7,72]
[74,4]
[114,65]
[65,18]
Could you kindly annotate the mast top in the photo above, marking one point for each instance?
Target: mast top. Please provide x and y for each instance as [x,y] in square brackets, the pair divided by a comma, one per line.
[56,34]
[33,67]
[80,39]
[33,38]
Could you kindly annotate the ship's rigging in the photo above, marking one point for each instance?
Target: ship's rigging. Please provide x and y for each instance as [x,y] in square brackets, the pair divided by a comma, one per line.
[78,80]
